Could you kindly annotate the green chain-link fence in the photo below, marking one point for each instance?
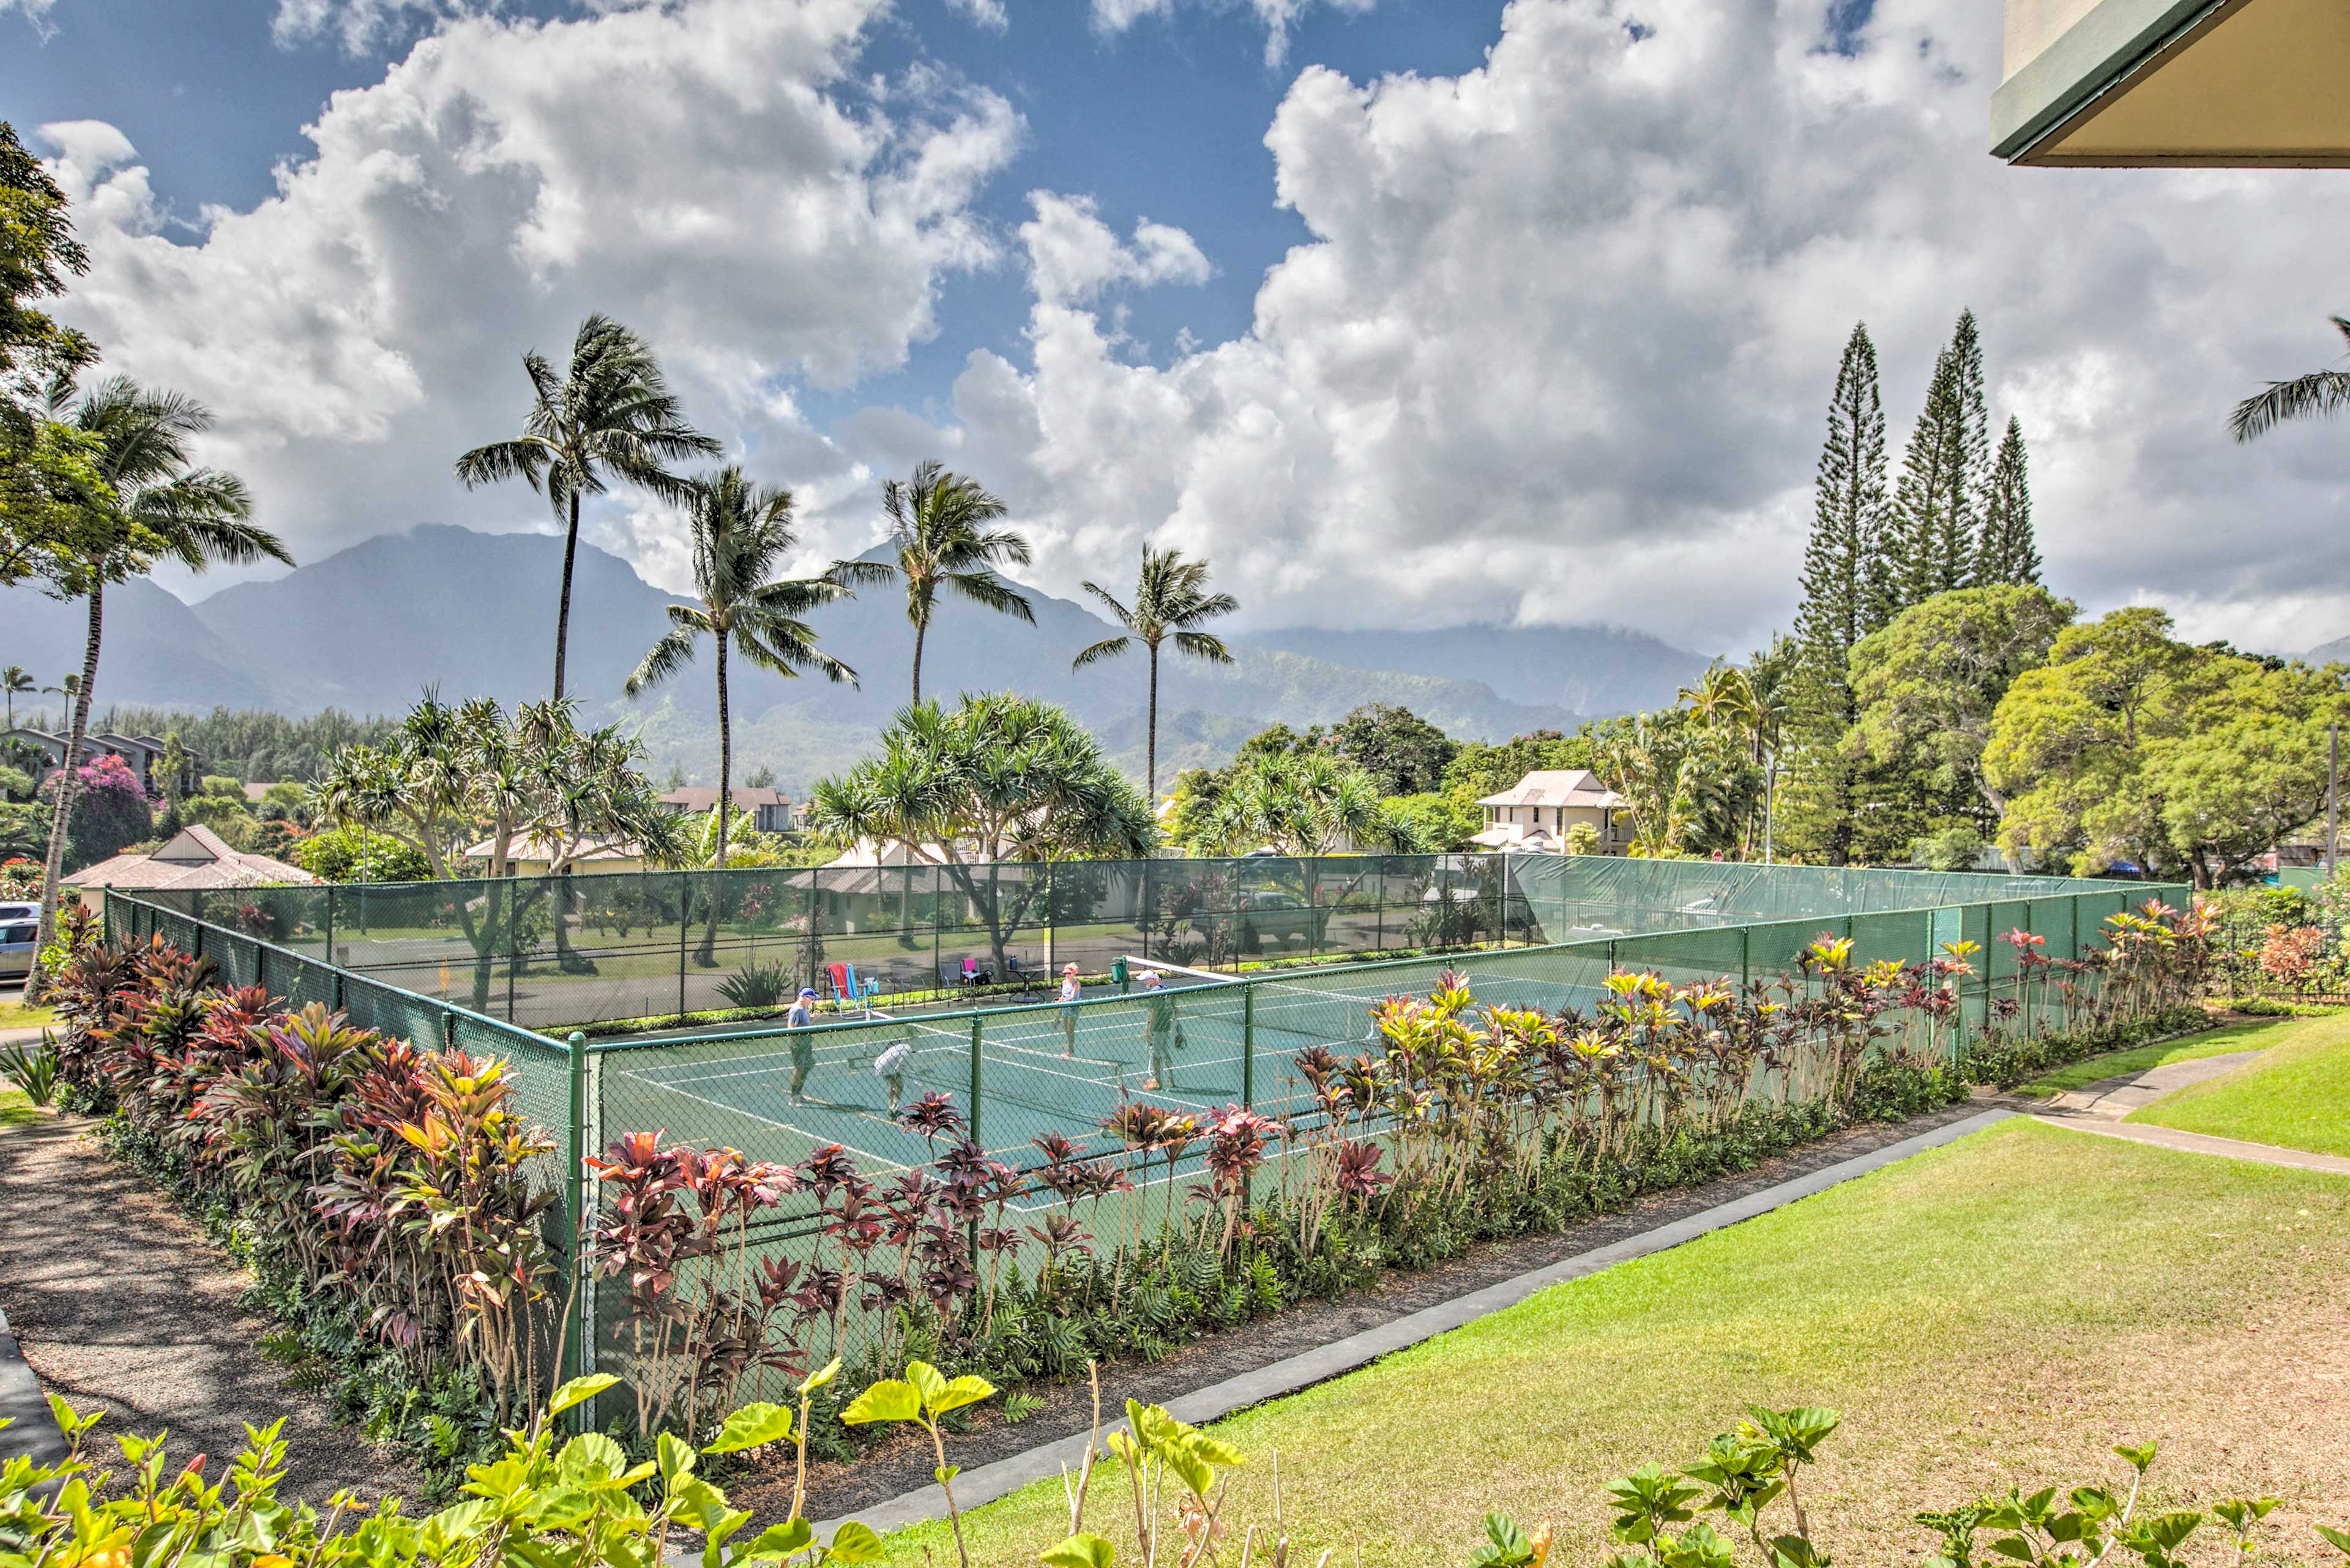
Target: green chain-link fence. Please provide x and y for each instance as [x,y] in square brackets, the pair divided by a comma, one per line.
[1024,1071]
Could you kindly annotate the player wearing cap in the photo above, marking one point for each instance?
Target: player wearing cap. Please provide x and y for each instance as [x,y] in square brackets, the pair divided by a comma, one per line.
[799,1020]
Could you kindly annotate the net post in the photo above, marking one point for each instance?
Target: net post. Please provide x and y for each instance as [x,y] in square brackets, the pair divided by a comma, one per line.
[574,1180]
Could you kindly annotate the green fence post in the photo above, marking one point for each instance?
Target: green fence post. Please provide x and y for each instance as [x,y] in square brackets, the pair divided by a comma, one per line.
[1745,956]
[330,923]
[577,1330]
[975,1021]
[1248,1047]
[685,919]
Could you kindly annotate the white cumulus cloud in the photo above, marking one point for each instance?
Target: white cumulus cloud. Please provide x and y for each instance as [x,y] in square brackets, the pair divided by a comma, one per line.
[715,173]
[1073,255]
[1560,346]
[1278,16]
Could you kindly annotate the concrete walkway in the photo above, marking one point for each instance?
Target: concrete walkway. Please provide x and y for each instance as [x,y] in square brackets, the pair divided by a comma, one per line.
[988,1482]
[2099,1108]
[2118,1098]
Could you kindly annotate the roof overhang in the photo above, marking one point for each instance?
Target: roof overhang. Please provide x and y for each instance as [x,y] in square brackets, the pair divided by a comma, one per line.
[2133,84]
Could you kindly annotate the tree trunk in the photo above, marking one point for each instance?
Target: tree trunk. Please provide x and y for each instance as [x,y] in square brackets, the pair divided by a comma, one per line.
[563,604]
[921,627]
[1150,735]
[61,813]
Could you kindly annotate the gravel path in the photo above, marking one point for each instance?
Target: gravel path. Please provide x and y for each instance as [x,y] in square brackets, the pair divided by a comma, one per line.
[117,1301]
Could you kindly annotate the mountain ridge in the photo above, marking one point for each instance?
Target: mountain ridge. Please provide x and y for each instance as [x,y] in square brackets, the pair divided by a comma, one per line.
[368,628]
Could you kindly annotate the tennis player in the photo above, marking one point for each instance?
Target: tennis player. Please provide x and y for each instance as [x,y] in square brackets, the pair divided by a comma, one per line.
[1070,991]
[1160,1029]
[801,1018]
[890,1068]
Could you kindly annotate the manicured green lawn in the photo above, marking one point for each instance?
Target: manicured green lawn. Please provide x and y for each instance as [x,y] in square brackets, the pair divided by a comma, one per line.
[2002,1309]
[16,1109]
[15,1015]
[2218,1043]
[2297,1095]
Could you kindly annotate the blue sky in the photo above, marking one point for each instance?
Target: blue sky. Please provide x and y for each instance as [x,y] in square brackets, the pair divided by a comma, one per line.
[1165,120]
[1416,312]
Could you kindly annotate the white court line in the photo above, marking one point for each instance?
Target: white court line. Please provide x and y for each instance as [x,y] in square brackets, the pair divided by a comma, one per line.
[787,1127]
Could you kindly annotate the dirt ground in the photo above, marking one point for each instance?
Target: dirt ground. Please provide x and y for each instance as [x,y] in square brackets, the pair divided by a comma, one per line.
[119,1303]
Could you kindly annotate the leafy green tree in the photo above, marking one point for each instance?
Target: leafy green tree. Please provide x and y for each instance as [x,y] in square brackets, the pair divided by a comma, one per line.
[2317,395]
[1304,803]
[1172,602]
[2130,745]
[159,504]
[452,775]
[1000,778]
[1929,683]
[937,526]
[1403,752]
[1434,821]
[609,415]
[351,854]
[740,534]
[1932,540]
[2008,553]
[1481,769]
[53,510]
[1846,598]
[1689,787]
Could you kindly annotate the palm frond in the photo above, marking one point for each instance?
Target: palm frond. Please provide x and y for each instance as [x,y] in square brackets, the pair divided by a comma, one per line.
[987,589]
[1108,647]
[1119,612]
[1201,645]
[672,653]
[2317,395]
[525,459]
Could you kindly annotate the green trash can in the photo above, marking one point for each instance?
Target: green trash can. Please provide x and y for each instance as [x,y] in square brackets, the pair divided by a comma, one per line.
[1117,973]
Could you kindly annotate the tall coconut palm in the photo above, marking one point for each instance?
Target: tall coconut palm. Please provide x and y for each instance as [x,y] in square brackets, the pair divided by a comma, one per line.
[2313,395]
[936,528]
[166,508]
[14,681]
[610,414]
[1170,603]
[740,533]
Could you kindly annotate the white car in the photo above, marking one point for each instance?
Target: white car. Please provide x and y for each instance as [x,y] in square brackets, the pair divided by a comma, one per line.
[19,924]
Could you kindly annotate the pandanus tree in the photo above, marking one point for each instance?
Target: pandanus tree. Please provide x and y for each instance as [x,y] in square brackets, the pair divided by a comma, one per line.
[609,415]
[161,506]
[2313,395]
[938,529]
[740,534]
[1002,777]
[1172,602]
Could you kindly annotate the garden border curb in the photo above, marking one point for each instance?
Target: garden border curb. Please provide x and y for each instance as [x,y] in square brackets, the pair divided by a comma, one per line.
[35,1433]
[991,1481]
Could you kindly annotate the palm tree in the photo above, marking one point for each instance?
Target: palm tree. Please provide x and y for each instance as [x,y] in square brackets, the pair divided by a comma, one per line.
[163,508]
[610,414]
[2319,393]
[935,527]
[1170,601]
[14,679]
[741,533]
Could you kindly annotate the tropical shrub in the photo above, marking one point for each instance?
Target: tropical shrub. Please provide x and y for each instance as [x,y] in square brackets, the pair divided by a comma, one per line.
[387,1181]
[33,1068]
[581,1503]
[350,853]
[757,985]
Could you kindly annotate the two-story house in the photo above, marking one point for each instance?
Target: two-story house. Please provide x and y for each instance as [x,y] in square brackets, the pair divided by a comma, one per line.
[1535,813]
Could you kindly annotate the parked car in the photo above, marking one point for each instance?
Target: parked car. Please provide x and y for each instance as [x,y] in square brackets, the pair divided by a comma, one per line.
[16,944]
